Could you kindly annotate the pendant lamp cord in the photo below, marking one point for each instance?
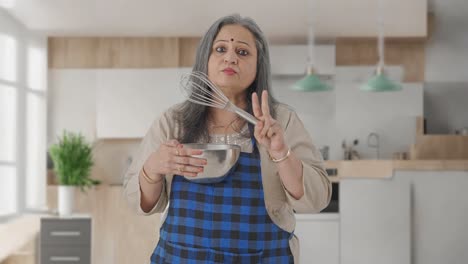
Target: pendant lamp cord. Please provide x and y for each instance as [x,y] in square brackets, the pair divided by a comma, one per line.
[311,39]
[381,40]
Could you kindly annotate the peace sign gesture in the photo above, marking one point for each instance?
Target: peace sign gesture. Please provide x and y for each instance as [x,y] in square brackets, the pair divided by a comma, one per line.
[268,132]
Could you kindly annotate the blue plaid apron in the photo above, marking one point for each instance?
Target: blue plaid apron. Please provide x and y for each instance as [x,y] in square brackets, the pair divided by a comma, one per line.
[225,222]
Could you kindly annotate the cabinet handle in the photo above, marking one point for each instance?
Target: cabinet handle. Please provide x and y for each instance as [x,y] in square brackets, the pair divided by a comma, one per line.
[60,258]
[65,233]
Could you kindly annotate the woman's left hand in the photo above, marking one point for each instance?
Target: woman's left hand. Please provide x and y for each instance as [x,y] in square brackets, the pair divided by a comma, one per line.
[268,131]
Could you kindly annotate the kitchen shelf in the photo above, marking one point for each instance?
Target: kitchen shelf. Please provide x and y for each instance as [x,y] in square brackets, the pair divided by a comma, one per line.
[444,147]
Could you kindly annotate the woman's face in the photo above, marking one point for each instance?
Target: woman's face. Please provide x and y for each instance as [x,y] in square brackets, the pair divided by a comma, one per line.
[232,65]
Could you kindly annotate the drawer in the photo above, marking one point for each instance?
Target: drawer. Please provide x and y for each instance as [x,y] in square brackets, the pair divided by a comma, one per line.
[65,255]
[65,232]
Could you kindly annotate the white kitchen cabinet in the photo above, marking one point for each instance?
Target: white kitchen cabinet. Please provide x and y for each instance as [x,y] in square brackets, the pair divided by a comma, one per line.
[72,102]
[319,236]
[375,223]
[129,100]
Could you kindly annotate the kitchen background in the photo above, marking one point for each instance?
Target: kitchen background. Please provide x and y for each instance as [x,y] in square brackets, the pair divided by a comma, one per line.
[110,85]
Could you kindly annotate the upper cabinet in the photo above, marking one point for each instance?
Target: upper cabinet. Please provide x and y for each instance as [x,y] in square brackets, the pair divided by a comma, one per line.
[121,52]
[358,18]
[111,103]
[128,101]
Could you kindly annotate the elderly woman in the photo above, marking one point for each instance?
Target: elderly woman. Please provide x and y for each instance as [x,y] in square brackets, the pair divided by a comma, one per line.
[249,216]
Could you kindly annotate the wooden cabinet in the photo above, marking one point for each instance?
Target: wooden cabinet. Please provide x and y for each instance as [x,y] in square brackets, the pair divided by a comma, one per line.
[65,240]
[121,52]
[438,147]
[112,52]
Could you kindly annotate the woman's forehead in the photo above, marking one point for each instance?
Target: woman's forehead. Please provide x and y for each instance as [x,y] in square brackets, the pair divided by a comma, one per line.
[235,33]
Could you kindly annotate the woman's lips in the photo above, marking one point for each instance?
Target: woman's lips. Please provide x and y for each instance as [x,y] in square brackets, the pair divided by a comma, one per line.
[229,71]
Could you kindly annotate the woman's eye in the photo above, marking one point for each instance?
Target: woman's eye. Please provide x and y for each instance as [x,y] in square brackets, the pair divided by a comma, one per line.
[243,52]
[220,49]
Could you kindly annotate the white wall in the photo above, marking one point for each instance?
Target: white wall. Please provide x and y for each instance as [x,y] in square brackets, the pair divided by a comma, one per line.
[348,113]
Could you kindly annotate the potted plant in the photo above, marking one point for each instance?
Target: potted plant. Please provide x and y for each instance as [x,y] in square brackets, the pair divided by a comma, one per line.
[73,159]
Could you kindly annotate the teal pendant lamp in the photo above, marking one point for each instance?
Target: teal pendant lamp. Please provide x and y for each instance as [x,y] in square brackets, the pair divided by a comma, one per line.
[311,82]
[380,82]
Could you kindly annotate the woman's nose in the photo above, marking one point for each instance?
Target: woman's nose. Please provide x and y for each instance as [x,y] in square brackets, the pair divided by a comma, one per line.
[230,57]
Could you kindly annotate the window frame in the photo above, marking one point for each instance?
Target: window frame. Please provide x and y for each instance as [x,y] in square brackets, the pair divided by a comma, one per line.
[25,42]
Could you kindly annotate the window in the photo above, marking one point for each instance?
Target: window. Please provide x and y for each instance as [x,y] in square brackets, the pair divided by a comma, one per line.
[35,151]
[8,126]
[8,205]
[8,184]
[8,57]
[23,93]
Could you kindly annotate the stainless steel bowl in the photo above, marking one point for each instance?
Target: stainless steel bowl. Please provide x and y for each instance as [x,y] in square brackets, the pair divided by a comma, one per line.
[220,160]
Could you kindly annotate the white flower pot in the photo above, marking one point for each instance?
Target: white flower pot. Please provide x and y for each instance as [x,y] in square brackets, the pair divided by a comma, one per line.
[66,199]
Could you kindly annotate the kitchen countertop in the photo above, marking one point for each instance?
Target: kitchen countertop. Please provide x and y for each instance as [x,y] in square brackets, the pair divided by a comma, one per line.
[17,233]
[318,217]
[385,168]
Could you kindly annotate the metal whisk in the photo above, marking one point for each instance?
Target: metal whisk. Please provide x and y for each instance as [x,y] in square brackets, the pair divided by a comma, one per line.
[200,90]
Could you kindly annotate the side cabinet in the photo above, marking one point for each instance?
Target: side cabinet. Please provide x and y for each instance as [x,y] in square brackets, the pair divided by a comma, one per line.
[65,240]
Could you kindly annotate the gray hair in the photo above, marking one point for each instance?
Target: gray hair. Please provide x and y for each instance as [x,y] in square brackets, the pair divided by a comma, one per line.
[193,118]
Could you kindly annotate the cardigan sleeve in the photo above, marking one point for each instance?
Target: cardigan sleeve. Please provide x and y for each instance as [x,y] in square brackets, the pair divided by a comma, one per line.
[317,186]
[156,135]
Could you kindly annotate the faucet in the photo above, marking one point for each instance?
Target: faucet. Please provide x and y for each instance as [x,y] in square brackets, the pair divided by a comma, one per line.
[373,142]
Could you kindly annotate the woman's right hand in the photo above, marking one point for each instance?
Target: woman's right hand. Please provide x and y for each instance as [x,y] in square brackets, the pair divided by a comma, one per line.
[172,158]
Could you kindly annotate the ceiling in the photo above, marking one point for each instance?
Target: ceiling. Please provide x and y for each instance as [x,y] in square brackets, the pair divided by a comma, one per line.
[277,18]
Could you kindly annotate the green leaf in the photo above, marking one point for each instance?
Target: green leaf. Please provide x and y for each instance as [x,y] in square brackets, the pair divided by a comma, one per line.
[73,159]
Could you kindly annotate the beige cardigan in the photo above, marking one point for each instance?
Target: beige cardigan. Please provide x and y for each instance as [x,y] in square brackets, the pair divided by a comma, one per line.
[279,203]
